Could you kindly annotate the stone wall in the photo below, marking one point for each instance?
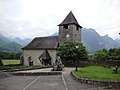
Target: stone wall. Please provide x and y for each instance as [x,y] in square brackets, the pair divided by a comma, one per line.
[73,32]
[99,62]
[107,84]
[105,62]
[35,73]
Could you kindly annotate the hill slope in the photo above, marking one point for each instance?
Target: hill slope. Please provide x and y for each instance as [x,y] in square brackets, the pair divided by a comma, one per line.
[3,40]
[7,45]
[93,41]
[11,47]
[109,42]
[117,40]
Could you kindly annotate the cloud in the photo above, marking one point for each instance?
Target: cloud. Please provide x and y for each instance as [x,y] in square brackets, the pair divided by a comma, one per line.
[31,18]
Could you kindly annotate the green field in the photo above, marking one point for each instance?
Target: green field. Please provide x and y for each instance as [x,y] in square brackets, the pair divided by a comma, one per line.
[98,73]
[9,62]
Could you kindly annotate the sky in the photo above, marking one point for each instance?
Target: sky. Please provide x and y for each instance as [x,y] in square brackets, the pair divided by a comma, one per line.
[37,18]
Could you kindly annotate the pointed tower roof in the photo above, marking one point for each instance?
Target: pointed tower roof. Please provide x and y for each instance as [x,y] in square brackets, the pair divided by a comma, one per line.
[45,55]
[70,19]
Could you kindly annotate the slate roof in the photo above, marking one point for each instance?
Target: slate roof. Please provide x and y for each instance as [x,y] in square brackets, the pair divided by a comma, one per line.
[45,55]
[70,19]
[43,43]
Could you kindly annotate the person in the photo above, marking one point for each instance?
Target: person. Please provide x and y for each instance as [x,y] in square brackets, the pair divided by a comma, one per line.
[21,60]
[30,61]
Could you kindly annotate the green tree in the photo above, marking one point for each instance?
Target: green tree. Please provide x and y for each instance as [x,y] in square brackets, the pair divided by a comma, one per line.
[114,54]
[69,52]
[1,61]
[17,55]
[101,55]
[10,55]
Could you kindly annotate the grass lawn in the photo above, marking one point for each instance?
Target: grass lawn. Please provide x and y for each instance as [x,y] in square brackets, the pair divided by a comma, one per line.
[7,62]
[98,73]
[14,64]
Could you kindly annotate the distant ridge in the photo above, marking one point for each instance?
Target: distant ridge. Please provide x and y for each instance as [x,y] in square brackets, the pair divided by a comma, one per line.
[11,47]
[7,45]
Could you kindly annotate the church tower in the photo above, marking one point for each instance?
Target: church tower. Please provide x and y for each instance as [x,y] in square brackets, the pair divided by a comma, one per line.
[69,29]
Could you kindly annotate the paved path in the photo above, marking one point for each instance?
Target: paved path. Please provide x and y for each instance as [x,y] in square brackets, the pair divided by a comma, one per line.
[51,82]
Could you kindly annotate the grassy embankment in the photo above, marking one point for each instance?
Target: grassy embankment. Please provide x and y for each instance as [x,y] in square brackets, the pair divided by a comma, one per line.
[98,73]
[14,64]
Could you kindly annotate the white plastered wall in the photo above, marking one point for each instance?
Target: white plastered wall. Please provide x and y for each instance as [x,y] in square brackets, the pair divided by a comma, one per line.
[35,54]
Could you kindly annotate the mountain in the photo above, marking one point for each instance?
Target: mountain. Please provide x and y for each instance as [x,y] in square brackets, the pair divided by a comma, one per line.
[117,40]
[92,40]
[20,41]
[7,45]
[3,40]
[109,42]
[11,47]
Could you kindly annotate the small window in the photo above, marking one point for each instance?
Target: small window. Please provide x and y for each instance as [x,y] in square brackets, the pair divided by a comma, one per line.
[77,27]
[66,26]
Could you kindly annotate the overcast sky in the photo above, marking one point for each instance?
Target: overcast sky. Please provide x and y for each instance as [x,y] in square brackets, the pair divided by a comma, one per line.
[35,18]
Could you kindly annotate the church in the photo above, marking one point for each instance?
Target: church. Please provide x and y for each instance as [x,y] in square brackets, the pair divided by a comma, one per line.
[42,50]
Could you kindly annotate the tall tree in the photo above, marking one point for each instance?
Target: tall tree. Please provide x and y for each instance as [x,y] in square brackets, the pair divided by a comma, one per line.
[70,51]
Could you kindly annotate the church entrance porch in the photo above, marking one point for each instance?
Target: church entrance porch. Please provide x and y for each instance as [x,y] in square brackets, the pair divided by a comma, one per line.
[46,62]
[45,58]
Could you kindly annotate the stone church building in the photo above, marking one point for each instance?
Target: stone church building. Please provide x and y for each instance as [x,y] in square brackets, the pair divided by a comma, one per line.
[42,50]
